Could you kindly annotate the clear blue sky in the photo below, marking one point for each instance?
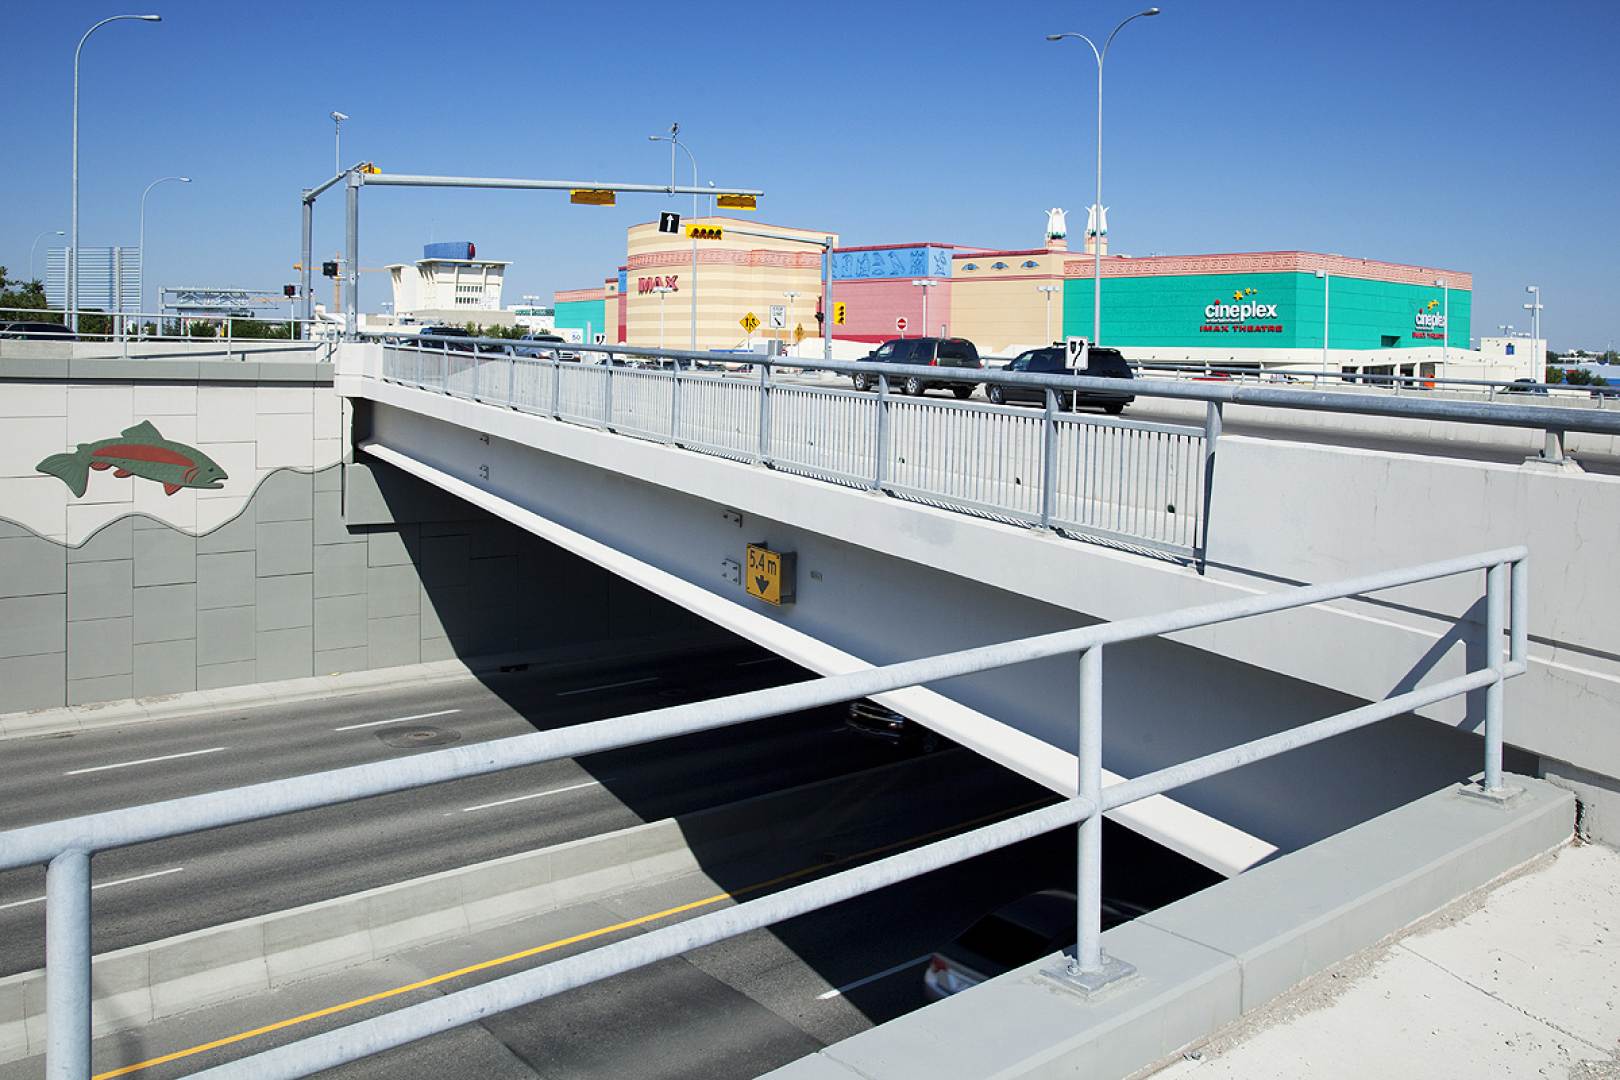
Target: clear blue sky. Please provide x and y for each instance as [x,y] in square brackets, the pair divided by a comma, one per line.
[1479,135]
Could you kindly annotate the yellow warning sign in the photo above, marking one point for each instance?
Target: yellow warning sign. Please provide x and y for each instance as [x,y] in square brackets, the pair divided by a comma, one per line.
[798,332]
[749,323]
[768,575]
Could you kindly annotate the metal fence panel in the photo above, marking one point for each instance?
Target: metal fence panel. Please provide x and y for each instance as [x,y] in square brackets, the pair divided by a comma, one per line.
[719,414]
[641,402]
[823,433]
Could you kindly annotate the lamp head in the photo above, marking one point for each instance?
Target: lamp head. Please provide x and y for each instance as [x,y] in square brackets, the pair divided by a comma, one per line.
[339,117]
[1151,11]
[184,179]
[1531,288]
[1054,37]
[59,232]
[151,18]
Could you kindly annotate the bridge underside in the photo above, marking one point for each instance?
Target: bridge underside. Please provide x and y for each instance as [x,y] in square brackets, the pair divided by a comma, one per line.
[870,591]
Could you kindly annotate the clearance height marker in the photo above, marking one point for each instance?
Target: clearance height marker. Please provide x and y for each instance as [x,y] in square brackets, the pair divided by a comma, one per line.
[769,575]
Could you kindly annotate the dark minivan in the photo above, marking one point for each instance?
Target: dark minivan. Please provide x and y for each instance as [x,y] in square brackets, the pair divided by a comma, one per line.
[1101,363]
[925,352]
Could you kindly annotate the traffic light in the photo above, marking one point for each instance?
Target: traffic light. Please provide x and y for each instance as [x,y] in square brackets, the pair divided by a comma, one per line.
[289,290]
[329,268]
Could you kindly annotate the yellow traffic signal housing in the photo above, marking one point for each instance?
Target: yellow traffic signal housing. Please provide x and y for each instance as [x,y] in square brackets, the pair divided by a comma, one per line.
[736,202]
[591,197]
[705,232]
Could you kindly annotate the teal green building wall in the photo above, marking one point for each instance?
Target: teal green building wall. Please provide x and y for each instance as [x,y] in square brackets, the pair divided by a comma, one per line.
[586,316]
[1168,311]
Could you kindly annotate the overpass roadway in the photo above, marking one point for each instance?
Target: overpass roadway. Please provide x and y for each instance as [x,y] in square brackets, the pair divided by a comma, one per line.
[169,887]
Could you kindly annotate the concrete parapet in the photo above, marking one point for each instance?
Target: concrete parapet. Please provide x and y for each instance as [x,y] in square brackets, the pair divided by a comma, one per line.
[1206,960]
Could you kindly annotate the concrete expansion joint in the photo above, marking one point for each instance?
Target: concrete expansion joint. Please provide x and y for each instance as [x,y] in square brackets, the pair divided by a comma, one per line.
[1526,1013]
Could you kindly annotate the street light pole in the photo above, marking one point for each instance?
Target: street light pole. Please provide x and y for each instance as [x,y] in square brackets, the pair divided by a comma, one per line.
[73,241]
[1097,208]
[337,136]
[1445,322]
[1049,290]
[674,141]
[662,291]
[925,284]
[787,310]
[33,275]
[142,242]
[1327,284]
[1534,308]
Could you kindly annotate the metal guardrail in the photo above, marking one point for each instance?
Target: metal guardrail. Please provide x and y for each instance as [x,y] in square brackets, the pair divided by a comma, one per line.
[66,846]
[1126,482]
[127,329]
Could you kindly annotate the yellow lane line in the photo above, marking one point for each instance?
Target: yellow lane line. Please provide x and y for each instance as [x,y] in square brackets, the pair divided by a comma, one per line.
[601,931]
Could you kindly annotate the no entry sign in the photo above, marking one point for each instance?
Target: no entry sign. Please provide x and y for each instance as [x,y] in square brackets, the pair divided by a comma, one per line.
[900,324]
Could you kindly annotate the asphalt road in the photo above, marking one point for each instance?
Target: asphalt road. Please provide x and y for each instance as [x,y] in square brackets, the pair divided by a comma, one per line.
[168,887]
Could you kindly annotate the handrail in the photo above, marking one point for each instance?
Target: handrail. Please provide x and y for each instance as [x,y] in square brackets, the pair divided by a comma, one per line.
[66,846]
[1539,417]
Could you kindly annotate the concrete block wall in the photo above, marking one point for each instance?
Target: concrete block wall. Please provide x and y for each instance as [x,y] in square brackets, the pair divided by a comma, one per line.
[298,565]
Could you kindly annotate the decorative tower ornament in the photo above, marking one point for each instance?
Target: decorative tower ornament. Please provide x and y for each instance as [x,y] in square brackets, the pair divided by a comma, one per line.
[1096,231]
[1057,230]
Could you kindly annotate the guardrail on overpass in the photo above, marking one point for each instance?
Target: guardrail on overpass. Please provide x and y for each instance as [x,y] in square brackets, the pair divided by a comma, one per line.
[66,846]
[1143,485]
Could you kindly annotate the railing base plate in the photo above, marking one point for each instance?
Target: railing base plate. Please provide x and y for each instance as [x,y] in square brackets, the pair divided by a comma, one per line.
[1502,796]
[1089,983]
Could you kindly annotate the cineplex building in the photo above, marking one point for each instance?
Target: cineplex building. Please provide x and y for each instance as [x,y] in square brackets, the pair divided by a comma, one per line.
[1273,309]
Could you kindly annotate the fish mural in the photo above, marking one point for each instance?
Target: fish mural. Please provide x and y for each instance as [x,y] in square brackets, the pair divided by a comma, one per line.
[138,451]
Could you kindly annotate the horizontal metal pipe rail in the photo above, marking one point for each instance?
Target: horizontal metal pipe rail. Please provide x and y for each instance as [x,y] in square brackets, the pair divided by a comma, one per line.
[66,846]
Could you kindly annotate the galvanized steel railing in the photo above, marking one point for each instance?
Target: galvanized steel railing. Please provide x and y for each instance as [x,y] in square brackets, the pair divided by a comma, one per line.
[67,846]
[1121,481]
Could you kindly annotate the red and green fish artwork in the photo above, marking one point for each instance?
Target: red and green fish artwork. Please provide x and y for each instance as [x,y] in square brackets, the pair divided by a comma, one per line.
[138,451]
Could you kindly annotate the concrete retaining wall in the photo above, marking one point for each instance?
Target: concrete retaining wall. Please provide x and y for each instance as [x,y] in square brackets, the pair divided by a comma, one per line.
[1208,959]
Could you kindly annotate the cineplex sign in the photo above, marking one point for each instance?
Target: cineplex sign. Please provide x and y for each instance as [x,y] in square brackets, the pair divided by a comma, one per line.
[1241,317]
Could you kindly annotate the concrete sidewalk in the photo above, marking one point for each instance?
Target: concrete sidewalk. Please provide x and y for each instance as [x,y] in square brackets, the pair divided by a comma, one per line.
[1519,979]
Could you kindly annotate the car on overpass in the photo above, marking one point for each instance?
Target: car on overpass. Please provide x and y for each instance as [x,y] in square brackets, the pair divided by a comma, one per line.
[951,353]
[48,331]
[1019,933]
[1052,360]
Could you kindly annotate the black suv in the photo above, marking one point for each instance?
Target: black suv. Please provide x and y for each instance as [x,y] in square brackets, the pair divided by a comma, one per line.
[1101,363]
[925,352]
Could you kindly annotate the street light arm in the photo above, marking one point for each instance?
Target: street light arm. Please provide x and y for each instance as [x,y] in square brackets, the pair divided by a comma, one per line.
[1140,14]
[1088,41]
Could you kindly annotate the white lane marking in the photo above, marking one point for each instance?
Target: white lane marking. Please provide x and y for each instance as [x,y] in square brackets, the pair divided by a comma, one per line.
[765,660]
[858,983]
[143,761]
[396,720]
[100,885]
[607,686]
[531,795]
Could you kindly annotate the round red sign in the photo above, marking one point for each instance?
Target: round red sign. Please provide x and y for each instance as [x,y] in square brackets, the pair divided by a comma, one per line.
[900,324]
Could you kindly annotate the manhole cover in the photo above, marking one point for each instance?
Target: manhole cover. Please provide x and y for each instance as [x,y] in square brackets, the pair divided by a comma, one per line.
[408,738]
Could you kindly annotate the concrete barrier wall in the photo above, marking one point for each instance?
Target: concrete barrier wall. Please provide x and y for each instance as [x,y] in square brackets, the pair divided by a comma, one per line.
[1207,960]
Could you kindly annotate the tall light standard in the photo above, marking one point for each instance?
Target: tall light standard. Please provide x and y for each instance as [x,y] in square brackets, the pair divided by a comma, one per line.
[1445,321]
[925,284]
[1097,210]
[1049,290]
[787,311]
[73,240]
[337,140]
[673,138]
[33,275]
[1327,282]
[142,248]
[662,291]
[1534,308]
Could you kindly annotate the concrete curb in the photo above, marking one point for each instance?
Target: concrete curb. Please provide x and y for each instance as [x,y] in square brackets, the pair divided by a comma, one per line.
[144,983]
[75,718]
[1206,960]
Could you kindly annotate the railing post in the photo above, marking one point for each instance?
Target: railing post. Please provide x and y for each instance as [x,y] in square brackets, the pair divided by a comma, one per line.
[1519,613]
[880,452]
[1212,436]
[1049,457]
[1496,582]
[607,395]
[444,367]
[1552,449]
[556,386]
[511,382]
[764,414]
[675,405]
[1089,969]
[67,967]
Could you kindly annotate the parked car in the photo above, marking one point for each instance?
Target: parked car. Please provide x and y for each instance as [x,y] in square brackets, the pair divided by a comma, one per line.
[538,344]
[1023,931]
[447,332]
[48,330]
[1525,386]
[866,717]
[1053,360]
[958,353]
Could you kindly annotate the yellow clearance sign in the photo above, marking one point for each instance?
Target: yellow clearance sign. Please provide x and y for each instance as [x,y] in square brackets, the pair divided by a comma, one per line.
[705,232]
[769,575]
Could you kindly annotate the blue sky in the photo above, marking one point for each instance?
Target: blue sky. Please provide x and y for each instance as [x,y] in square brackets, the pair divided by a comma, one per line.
[1478,135]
